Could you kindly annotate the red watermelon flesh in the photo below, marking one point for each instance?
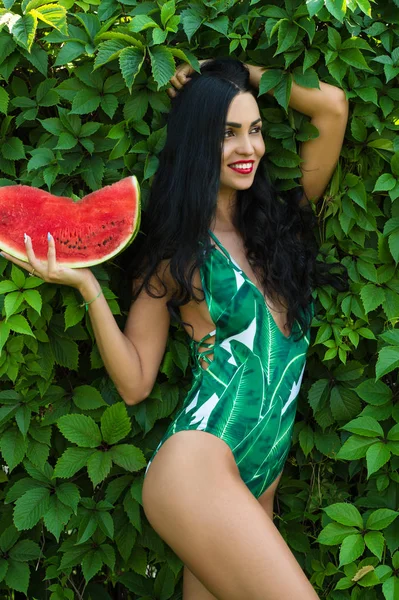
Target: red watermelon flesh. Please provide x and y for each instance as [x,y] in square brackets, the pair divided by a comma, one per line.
[86,232]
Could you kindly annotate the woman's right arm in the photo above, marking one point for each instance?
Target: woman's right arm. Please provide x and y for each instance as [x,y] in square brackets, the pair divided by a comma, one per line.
[132,358]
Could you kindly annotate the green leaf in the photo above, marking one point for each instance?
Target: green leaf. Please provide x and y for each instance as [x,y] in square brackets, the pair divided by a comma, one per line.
[384,182]
[375,542]
[34,299]
[388,360]
[128,457]
[374,392]
[31,507]
[334,533]
[344,403]
[9,537]
[141,23]
[91,564]
[167,11]
[108,51]
[308,79]
[56,517]
[314,6]
[390,588]
[72,461]
[282,90]
[68,494]
[306,439]
[19,324]
[269,80]
[17,576]
[220,24]
[115,423]
[85,101]
[13,447]
[81,430]
[191,21]
[87,397]
[344,513]
[54,15]
[99,466]
[352,547]
[132,509]
[287,33]
[13,149]
[4,100]
[130,62]
[381,518]
[365,426]
[372,296]
[162,63]
[24,30]
[25,550]
[337,8]
[377,456]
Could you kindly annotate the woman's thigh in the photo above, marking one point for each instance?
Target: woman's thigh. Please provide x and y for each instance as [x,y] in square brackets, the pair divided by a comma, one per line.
[195,499]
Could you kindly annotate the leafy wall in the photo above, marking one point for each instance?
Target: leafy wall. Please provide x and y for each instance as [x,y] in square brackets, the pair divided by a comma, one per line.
[83,104]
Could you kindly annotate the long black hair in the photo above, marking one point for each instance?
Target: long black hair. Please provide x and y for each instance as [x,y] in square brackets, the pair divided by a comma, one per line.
[276,231]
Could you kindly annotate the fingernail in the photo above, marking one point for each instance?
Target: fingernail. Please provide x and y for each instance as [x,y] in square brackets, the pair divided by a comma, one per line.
[49,236]
[25,237]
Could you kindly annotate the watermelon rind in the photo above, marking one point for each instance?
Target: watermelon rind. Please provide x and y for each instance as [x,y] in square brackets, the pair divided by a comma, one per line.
[96,261]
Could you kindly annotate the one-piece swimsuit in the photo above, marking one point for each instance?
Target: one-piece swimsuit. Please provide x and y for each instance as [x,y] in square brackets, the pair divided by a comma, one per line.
[246,382]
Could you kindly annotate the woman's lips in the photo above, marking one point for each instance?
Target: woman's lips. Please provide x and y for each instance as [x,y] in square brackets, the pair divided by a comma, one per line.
[243,168]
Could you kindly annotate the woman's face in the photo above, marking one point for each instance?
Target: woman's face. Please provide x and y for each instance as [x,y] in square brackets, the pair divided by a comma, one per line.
[243,145]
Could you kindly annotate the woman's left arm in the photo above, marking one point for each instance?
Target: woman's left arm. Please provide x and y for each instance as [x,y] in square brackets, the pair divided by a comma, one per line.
[328,109]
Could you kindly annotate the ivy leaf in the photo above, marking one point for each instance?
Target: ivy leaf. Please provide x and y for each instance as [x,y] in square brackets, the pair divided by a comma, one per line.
[352,547]
[334,533]
[115,423]
[31,507]
[13,447]
[372,296]
[24,30]
[56,517]
[375,542]
[388,360]
[17,576]
[86,397]
[365,426]
[99,466]
[314,6]
[25,550]
[162,63]
[128,457]
[130,61]
[377,456]
[381,518]
[91,564]
[72,461]
[191,20]
[68,494]
[345,513]
[81,430]
[337,8]
[269,80]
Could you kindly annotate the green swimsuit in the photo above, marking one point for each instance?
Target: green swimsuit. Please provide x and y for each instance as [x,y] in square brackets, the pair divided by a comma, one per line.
[247,394]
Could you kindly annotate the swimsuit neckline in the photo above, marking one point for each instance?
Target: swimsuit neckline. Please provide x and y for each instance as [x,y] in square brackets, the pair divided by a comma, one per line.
[227,256]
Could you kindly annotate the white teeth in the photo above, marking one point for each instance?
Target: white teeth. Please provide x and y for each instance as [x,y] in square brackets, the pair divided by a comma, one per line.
[242,165]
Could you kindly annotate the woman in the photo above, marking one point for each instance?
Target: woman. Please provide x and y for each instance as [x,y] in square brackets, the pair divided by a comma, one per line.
[231,259]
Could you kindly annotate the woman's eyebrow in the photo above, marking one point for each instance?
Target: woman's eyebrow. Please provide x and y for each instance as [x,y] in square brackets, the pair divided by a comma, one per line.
[239,124]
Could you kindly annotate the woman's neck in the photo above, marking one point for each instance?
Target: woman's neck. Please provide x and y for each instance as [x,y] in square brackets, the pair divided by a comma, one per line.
[225,209]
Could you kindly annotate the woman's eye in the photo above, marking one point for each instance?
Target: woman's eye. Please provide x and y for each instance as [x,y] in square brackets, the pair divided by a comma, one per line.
[257,129]
[227,133]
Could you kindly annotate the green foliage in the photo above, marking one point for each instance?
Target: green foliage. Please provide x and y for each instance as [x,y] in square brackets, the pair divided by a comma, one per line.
[83,104]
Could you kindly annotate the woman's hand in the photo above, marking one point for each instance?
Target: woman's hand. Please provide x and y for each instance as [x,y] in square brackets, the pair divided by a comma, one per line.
[49,271]
[181,77]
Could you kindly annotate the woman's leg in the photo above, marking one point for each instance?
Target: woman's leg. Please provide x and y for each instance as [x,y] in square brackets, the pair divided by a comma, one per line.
[195,499]
[192,587]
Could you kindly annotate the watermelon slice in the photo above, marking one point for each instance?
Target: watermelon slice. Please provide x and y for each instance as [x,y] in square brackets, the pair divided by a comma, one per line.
[86,232]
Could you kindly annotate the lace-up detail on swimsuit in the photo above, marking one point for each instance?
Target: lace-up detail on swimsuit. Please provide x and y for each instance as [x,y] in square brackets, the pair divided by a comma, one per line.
[206,353]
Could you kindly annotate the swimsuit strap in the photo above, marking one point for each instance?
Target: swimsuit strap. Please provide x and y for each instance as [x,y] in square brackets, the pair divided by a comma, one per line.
[223,249]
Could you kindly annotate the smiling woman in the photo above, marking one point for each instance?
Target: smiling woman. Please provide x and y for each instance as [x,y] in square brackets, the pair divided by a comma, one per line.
[235,262]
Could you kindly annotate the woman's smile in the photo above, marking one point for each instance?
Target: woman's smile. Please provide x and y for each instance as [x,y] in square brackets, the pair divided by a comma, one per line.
[243,167]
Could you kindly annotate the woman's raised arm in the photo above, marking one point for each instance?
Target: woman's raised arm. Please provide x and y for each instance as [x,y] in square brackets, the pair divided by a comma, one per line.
[328,109]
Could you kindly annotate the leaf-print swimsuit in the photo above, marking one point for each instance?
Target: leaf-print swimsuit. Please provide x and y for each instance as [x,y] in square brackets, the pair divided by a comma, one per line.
[247,394]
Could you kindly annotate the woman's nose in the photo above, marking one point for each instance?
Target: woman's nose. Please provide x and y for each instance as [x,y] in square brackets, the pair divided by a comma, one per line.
[245,145]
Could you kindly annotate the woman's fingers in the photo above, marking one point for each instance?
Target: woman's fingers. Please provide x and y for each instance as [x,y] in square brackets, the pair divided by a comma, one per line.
[51,255]
[179,79]
[20,263]
[36,264]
